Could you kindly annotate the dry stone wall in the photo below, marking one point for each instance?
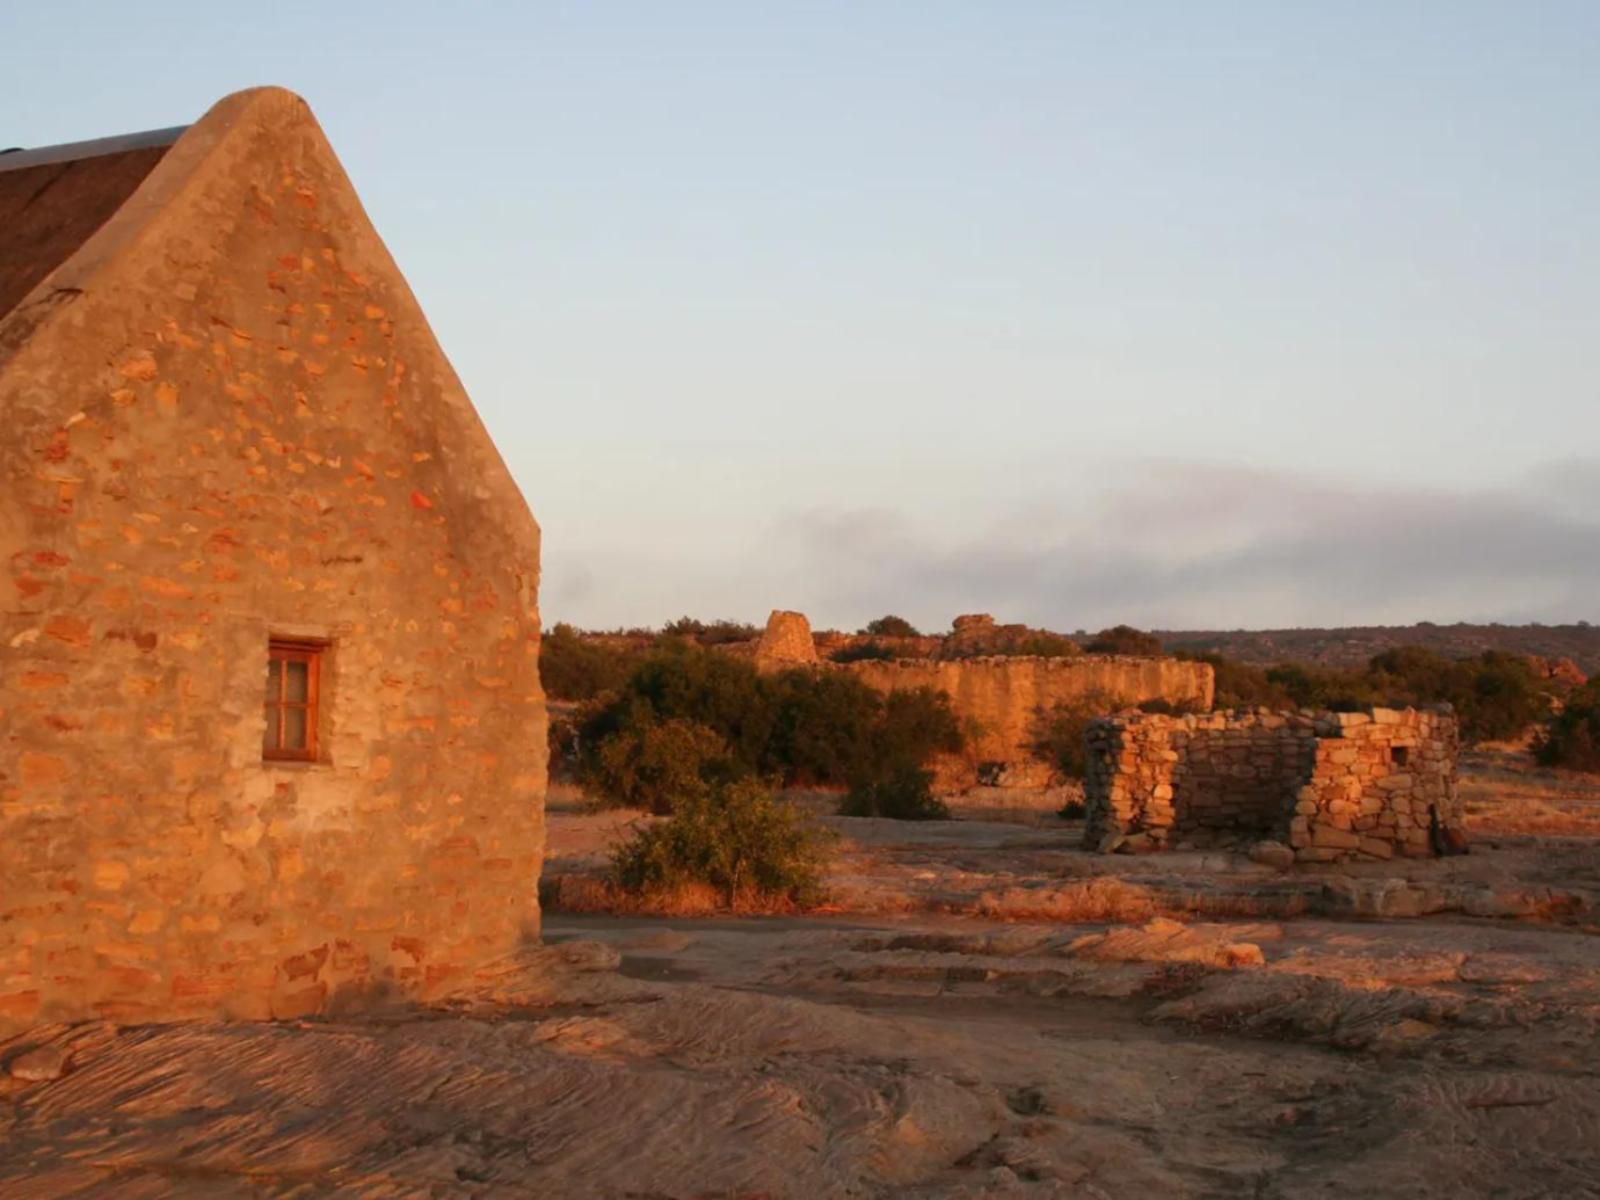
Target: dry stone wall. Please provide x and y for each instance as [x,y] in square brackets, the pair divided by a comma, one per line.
[786,643]
[1001,701]
[1326,785]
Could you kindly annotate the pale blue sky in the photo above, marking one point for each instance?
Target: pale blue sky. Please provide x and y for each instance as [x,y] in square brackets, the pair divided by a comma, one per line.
[1179,313]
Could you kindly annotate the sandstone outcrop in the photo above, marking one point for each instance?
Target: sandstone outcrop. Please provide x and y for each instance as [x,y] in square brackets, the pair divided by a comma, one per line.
[274,734]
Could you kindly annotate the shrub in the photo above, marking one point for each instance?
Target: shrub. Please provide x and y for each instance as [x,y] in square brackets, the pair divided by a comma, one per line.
[737,838]
[1073,810]
[680,679]
[1046,645]
[1059,733]
[1495,695]
[658,765]
[903,793]
[1011,643]
[710,633]
[1240,685]
[821,727]
[1572,739]
[574,669]
[891,626]
[863,652]
[914,725]
[800,726]
[1125,639]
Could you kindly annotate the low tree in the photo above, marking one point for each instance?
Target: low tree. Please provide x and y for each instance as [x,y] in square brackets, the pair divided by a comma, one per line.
[1060,733]
[891,626]
[1125,639]
[1572,739]
[573,668]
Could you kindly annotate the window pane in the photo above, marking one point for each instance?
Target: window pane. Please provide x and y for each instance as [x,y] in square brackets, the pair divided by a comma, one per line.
[274,681]
[269,743]
[294,729]
[299,677]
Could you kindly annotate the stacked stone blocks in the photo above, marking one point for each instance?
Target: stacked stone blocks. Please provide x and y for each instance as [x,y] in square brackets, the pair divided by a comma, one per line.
[1329,786]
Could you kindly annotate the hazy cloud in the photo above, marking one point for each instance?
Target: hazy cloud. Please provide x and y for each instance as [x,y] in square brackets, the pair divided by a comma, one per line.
[1189,545]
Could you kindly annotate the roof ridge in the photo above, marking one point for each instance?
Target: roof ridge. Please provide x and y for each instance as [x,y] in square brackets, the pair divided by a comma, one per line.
[11,160]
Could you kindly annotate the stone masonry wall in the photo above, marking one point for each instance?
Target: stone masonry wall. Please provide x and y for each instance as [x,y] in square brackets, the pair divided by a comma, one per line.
[1001,700]
[786,642]
[1326,785]
[238,424]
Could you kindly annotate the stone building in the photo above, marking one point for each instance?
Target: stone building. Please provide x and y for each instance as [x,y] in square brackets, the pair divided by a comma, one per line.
[272,740]
[1325,785]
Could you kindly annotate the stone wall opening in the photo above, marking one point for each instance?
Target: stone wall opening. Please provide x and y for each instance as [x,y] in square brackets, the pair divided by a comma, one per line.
[1237,783]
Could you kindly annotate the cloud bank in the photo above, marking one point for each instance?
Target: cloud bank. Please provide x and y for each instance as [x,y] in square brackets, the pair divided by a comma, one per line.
[1161,544]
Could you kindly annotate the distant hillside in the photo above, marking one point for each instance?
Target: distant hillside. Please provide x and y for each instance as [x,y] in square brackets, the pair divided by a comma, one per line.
[1353,646]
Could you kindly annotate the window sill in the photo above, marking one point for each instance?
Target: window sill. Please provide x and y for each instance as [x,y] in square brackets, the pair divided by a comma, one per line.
[295,764]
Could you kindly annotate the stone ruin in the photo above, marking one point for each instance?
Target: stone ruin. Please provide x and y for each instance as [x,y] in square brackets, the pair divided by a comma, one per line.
[1313,786]
[786,643]
[1000,699]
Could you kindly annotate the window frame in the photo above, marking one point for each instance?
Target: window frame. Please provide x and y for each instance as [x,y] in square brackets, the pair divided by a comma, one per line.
[289,650]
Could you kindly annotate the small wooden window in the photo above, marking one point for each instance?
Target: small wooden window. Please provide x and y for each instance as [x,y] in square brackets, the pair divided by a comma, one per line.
[293,675]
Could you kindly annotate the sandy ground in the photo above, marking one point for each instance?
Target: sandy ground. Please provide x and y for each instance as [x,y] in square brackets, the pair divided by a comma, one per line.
[930,1047]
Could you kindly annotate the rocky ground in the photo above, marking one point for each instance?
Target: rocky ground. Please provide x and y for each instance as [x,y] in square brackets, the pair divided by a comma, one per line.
[965,1023]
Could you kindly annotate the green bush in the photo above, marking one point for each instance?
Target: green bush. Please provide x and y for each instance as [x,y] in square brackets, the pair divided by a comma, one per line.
[1059,732]
[657,765]
[863,652]
[1572,739]
[1241,685]
[1125,639]
[1035,643]
[574,669]
[680,679]
[800,726]
[735,837]
[1495,695]
[710,633]
[903,793]
[822,726]
[913,725]
[891,626]
[1046,645]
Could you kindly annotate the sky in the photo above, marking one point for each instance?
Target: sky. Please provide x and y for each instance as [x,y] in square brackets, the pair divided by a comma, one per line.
[1221,315]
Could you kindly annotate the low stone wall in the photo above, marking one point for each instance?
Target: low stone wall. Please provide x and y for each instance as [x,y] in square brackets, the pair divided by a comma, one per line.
[1325,785]
[1002,700]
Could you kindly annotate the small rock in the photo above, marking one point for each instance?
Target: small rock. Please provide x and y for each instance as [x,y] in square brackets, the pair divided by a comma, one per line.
[1272,854]
[41,1064]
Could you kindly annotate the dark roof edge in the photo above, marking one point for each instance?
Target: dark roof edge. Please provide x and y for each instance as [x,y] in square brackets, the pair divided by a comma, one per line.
[71,151]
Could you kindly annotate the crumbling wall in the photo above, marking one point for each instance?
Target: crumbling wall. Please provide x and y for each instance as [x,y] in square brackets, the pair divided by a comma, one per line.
[239,425]
[1326,785]
[1001,701]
